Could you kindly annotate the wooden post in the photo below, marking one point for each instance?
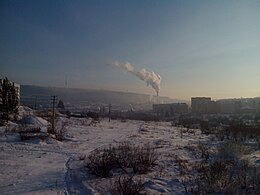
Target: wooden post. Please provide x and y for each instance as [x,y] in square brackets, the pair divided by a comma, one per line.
[109,112]
[35,103]
[53,113]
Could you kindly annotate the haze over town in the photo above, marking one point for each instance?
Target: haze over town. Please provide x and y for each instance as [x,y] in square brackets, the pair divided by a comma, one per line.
[198,48]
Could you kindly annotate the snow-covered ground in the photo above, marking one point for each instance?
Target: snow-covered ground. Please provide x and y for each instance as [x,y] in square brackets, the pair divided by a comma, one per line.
[53,167]
[39,167]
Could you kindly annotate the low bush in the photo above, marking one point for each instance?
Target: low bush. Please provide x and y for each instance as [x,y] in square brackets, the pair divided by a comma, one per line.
[215,176]
[204,152]
[230,150]
[101,161]
[225,172]
[143,158]
[59,131]
[139,158]
[183,165]
[60,134]
[127,185]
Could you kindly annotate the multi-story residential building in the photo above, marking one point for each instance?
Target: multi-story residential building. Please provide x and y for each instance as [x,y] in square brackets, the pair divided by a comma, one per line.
[200,104]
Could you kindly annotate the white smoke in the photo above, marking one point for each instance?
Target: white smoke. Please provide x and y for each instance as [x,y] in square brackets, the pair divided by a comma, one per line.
[151,78]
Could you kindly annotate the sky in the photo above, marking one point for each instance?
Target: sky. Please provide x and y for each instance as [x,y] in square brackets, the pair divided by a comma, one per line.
[199,48]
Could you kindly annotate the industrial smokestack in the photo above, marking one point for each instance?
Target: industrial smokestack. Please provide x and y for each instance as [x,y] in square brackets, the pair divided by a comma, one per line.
[151,78]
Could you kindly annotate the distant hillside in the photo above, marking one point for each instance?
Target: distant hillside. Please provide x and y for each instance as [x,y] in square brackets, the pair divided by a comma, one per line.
[84,97]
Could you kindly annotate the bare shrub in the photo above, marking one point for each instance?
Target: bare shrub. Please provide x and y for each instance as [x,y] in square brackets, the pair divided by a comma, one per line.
[60,134]
[101,161]
[220,135]
[215,177]
[124,154]
[144,158]
[50,130]
[204,152]
[228,177]
[59,131]
[231,151]
[243,132]
[183,165]
[139,158]
[224,173]
[243,176]
[248,177]
[94,122]
[127,185]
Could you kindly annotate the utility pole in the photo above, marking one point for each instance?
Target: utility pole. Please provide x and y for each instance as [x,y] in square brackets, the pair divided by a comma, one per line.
[35,103]
[66,80]
[109,112]
[53,98]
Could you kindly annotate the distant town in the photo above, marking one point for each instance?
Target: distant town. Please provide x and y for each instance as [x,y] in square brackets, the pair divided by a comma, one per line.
[205,105]
[118,105]
[198,105]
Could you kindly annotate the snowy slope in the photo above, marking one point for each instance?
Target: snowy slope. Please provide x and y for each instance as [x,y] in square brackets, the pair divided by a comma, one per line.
[53,167]
[39,167]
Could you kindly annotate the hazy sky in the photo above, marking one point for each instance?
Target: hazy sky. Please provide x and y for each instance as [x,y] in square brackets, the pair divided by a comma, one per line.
[200,48]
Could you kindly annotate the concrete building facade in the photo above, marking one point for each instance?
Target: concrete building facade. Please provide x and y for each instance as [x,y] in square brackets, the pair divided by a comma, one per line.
[200,104]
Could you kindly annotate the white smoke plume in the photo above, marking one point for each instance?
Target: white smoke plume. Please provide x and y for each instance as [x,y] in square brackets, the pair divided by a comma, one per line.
[151,78]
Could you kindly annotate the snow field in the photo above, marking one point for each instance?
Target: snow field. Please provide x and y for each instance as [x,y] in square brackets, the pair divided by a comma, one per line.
[53,167]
